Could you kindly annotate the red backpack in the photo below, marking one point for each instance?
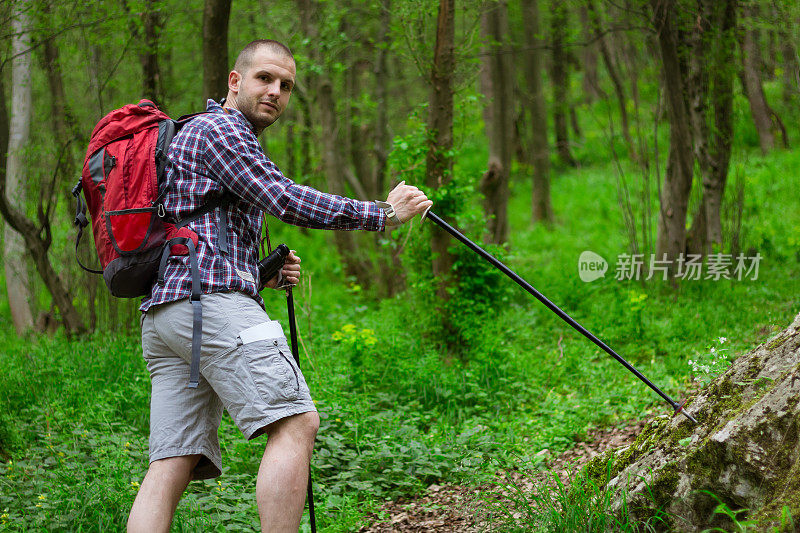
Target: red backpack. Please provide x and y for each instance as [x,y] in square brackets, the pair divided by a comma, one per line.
[124,183]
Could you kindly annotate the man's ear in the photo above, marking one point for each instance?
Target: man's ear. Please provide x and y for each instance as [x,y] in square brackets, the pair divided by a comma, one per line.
[234,79]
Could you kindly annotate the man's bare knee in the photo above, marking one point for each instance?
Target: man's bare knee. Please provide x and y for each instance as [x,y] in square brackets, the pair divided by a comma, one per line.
[177,468]
[302,427]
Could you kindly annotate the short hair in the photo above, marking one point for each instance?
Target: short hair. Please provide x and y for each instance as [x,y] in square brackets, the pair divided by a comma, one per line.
[245,57]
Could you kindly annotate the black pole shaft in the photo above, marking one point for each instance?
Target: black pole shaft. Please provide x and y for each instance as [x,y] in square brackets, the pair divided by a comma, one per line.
[296,353]
[553,307]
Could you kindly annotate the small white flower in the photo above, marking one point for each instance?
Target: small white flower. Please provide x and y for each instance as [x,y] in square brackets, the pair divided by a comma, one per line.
[723,340]
[713,350]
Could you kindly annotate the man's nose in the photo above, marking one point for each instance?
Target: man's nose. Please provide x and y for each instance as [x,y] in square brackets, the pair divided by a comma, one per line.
[274,89]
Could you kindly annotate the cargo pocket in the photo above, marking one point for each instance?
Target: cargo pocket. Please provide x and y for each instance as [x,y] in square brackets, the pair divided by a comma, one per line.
[275,377]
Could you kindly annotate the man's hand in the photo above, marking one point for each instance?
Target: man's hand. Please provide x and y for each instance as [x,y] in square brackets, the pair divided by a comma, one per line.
[290,273]
[408,201]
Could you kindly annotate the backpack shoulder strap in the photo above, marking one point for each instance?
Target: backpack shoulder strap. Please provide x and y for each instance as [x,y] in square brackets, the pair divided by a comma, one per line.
[81,222]
[167,129]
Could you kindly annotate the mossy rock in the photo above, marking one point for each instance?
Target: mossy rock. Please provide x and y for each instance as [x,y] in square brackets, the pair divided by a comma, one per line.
[744,453]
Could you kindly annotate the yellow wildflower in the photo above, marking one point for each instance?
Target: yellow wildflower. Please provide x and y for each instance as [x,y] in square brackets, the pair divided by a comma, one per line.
[42,497]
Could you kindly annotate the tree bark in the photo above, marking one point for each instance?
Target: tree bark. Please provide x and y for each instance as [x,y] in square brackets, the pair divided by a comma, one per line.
[152,21]
[706,229]
[671,237]
[589,53]
[151,73]
[762,113]
[560,82]
[540,151]
[215,48]
[791,71]
[334,160]
[67,132]
[355,263]
[497,86]
[614,75]
[438,161]
[16,270]
[382,139]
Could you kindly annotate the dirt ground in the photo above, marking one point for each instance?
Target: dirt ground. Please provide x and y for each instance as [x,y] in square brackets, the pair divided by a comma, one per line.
[457,509]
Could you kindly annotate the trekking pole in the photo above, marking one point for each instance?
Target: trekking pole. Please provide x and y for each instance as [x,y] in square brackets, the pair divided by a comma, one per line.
[296,354]
[678,408]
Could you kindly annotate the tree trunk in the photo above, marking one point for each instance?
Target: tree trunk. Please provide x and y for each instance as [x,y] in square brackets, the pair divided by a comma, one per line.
[334,159]
[706,230]
[390,268]
[355,263]
[382,140]
[37,238]
[589,52]
[151,73]
[16,270]
[438,161]
[751,81]
[540,152]
[497,86]
[791,71]
[67,132]
[152,21]
[215,48]
[671,238]
[560,82]
[614,75]
[359,130]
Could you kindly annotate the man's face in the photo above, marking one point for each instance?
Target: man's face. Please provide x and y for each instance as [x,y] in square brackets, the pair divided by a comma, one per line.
[263,91]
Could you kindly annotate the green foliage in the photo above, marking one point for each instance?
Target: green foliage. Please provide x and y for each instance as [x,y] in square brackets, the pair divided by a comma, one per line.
[540,501]
[398,412]
[473,288]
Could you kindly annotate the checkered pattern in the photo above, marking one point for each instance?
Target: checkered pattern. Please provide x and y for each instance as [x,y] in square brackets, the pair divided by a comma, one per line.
[220,148]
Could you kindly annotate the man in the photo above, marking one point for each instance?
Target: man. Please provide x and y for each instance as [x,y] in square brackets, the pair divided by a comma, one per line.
[245,365]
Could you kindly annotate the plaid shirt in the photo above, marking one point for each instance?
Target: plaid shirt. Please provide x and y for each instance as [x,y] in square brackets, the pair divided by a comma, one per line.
[220,148]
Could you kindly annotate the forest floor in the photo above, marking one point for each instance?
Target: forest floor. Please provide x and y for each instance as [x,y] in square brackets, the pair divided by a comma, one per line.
[460,509]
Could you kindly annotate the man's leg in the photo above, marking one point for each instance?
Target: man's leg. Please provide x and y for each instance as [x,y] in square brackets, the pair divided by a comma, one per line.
[283,474]
[159,494]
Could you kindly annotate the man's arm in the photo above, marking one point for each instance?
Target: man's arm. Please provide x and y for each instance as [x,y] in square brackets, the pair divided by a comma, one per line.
[235,158]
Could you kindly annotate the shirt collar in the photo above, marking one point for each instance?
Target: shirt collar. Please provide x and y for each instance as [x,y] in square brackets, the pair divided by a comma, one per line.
[213,106]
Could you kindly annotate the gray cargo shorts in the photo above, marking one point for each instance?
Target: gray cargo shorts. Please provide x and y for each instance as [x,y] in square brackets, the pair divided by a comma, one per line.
[246,367]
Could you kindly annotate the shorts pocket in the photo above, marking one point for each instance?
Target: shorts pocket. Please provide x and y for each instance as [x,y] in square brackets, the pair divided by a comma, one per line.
[175,326]
[275,377]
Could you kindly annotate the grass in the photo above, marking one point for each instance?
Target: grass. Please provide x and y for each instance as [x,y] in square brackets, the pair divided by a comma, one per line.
[397,414]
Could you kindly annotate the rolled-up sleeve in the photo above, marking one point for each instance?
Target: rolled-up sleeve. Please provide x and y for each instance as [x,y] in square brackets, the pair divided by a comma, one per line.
[236,159]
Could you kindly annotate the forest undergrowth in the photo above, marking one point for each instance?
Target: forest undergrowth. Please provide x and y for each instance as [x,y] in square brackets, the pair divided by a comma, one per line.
[402,408]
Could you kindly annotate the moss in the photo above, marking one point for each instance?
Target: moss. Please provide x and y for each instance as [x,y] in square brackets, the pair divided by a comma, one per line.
[706,460]
[777,341]
[782,513]
[597,470]
[665,485]
[646,440]
[754,366]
